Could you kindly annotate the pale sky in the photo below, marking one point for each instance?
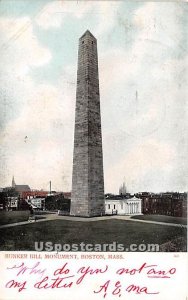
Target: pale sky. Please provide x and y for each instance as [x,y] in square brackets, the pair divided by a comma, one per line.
[142,50]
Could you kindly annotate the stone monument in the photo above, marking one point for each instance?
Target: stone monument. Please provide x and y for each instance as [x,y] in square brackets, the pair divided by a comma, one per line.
[87,198]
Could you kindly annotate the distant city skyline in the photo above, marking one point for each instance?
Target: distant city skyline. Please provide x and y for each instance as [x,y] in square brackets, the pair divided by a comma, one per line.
[106,192]
[142,57]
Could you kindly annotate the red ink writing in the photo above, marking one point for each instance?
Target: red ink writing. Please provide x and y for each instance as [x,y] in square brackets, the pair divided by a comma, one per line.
[54,283]
[31,270]
[85,271]
[151,271]
[139,290]
[14,284]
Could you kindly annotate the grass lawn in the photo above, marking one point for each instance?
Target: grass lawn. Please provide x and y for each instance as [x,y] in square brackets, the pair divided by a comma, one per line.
[63,232]
[162,218]
[7,217]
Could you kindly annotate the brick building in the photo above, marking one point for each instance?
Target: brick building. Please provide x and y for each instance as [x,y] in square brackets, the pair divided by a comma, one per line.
[171,204]
[34,194]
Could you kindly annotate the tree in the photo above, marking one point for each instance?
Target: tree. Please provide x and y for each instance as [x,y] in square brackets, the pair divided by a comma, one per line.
[57,202]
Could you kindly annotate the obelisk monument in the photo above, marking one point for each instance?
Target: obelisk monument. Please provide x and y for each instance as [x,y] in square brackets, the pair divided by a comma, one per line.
[87,198]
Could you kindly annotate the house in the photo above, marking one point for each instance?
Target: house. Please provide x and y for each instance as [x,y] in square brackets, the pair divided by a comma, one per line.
[36,203]
[13,203]
[34,194]
[130,206]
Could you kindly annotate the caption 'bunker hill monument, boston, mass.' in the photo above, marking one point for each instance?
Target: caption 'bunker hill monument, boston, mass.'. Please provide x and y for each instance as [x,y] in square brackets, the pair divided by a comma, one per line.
[87,198]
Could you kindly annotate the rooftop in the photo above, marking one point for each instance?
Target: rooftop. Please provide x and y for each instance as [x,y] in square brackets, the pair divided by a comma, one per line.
[22,188]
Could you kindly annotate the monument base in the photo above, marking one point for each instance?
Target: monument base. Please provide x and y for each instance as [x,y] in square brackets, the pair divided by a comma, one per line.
[90,214]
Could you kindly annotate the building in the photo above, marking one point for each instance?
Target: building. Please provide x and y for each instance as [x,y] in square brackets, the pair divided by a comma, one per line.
[87,197]
[131,206]
[67,195]
[13,182]
[13,203]
[36,203]
[122,189]
[33,194]
[20,188]
[170,204]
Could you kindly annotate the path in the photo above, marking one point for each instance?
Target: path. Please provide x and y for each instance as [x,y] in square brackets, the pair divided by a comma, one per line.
[51,217]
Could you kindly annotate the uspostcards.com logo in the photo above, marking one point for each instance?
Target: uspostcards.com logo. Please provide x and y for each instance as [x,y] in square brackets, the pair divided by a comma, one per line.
[84,247]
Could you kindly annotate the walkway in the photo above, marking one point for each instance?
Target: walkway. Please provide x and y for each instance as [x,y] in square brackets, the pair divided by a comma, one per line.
[128,218]
[51,217]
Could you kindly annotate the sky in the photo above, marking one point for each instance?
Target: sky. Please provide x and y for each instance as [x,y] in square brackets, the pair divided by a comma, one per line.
[142,52]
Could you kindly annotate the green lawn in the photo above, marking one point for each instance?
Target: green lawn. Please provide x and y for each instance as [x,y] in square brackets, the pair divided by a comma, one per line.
[162,218]
[7,217]
[62,231]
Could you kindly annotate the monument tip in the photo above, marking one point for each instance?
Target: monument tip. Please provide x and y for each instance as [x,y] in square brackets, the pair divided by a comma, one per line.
[87,33]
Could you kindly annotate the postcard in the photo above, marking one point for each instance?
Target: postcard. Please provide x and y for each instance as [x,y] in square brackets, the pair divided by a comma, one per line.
[93,150]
